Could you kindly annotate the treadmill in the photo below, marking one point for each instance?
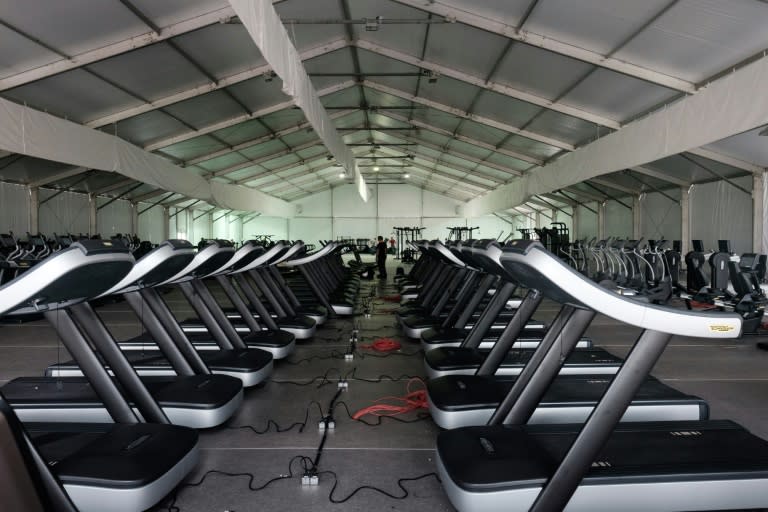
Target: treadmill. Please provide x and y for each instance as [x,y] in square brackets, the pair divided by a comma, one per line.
[124,465]
[165,350]
[465,400]
[511,465]
[279,343]
[187,397]
[301,326]
[324,279]
[456,277]
[264,271]
[514,346]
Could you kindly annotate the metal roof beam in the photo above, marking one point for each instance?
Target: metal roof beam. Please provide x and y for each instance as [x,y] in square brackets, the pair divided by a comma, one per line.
[259,140]
[282,168]
[659,175]
[210,87]
[72,171]
[113,186]
[468,140]
[263,158]
[458,154]
[148,195]
[615,186]
[110,50]
[469,116]
[491,86]
[546,42]
[220,125]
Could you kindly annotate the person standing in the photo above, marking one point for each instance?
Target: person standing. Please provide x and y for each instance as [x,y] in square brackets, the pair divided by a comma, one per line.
[381,257]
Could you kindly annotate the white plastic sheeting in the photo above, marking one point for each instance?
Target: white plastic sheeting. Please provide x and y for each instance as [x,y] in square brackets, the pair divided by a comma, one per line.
[113,218]
[151,224]
[618,220]
[719,211]
[30,132]
[66,213]
[267,31]
[660,216]
[719,110]
[14,209]
[586,224]
[277,227]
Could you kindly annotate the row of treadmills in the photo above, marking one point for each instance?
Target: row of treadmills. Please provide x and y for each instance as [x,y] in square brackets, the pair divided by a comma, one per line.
[537,418]
[114,429]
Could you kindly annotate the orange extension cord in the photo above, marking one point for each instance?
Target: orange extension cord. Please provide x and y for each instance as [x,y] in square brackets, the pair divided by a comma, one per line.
[383,345]
[412,401]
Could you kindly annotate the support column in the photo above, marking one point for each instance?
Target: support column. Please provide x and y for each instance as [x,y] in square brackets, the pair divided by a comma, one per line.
[601,220]
[685,215]
[92,226]
[34,210]
[575,222]
[538,219]
[758,207]
[166,223]
[210,226]
[134,218]
[637,217]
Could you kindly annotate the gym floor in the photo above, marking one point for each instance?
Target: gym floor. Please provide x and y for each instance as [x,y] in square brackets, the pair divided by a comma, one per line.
[240,458]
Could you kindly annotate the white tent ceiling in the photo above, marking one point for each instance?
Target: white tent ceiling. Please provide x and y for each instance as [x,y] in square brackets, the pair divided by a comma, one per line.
[462,96]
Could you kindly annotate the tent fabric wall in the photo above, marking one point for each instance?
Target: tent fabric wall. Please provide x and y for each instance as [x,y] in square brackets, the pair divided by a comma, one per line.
[310,230]
[587,222]
[201,227]
[66,213]
[113,218]
[721,211]
[660,216]
[14,210]
[151,223]
[277,227]
[618,220]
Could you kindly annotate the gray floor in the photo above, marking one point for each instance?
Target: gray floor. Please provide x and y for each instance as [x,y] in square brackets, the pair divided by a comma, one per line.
[730,375]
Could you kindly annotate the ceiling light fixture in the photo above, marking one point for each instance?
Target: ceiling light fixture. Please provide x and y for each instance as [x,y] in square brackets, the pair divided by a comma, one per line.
[342,175]
[376,168]
[406,175]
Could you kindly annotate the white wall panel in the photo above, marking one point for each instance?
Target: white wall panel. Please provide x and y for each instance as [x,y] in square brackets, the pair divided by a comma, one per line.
[151,224]
[14,208]
[721,211]
[201,227]
[661,217]
[347,203]
[618,220]
[310,230]
[399,201]
[354,227]
[275,226]
[221,226]
[316,205]
[587,224]
[436,205]
[113,218]
[490,227]
[65,213]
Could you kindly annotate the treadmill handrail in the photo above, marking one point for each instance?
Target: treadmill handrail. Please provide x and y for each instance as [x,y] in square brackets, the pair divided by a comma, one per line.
[208,252]
[446,254]
[323,251]
[246,249]
[296,247]
[536,268]
[263,259]
[19,296]
[150,262]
